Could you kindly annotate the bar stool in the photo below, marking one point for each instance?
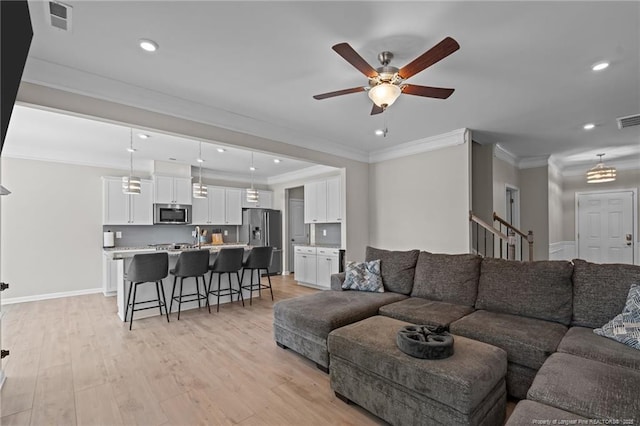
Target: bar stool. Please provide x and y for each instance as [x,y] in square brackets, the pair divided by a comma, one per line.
[227,261]
[190,264]
[147,268]
[259,259]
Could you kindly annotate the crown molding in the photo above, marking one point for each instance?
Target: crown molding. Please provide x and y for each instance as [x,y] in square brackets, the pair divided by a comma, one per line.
[76,81]
[532,162]
[504,155]
[455,137]
[309,172]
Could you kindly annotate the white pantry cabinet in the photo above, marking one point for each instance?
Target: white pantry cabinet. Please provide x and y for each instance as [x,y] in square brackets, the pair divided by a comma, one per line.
[119,208]
[172,190]
[323,201]
[313,266]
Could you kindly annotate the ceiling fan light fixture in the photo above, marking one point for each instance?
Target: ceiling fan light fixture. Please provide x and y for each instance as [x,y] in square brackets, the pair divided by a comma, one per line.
[384,94]
[601,173]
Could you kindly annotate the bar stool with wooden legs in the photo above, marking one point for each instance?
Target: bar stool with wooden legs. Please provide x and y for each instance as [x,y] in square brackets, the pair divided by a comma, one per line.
[259,260]
[147,268]
[228,261]
[190,264]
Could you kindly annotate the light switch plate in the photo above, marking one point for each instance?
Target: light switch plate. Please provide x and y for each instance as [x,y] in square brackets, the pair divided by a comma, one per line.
[226,232]
[118,234]
[324,232]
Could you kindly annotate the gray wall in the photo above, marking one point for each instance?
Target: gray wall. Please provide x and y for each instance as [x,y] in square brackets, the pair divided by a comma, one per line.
[482,187]
[555,205]
[534,208]
[136,236]
[333,236]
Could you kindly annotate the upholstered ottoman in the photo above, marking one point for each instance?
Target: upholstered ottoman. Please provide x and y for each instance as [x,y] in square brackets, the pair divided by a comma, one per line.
[368,369]
[303,323]
[529,413]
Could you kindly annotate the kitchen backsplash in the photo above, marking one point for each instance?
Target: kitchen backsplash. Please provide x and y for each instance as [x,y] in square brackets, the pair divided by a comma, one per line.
[333,231]
[135,236]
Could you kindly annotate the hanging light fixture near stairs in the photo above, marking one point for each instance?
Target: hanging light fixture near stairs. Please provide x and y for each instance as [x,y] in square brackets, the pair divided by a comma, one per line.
[200,190]
[131,184]
[601,173]
[252,193]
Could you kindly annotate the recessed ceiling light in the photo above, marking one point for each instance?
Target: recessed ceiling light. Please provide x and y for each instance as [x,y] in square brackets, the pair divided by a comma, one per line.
[143,136]
[200,160]
[276,160]
[253,169]
[600,66]
[588,126]
[221,150]
[131,149]
[379,132]
[148,45]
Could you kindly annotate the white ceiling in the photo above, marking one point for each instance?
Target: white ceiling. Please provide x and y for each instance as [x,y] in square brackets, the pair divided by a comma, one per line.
[522,76]
[46,135]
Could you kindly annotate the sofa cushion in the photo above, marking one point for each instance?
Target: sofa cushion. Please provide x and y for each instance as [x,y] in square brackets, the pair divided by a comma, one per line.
[317,314]
[583,342]
[449,278]
[528,341]
[363,276]
[422,311]
[531,413]
[600,291]
[397,267]
[540,289]
[588,388]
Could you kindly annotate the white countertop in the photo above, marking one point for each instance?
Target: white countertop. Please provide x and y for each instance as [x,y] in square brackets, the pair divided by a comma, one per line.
[121,252]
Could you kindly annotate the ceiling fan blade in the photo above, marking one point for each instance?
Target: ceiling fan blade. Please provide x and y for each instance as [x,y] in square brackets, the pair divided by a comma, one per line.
[438,52]
[426,91]
[339,93]
[351,56]
[376,109]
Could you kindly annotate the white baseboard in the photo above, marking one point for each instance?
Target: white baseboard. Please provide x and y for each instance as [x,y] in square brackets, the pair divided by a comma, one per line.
[12,300]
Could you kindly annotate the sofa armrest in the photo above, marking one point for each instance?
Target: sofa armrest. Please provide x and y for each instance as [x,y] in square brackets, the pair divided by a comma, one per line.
[337,280]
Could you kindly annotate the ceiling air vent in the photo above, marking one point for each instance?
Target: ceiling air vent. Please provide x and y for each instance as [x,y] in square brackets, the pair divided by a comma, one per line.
[59,15]
[632,120]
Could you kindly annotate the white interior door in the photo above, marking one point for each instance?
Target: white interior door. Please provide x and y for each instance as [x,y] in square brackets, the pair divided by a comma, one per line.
[605,225]
[298,230]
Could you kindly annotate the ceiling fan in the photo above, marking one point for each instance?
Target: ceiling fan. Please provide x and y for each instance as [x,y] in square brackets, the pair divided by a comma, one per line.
[386,83]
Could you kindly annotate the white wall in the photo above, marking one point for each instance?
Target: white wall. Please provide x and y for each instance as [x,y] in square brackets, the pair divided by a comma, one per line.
[51,227]
[422,201]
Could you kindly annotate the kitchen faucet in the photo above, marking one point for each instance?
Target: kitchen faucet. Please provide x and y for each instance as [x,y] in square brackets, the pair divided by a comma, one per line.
[198,236]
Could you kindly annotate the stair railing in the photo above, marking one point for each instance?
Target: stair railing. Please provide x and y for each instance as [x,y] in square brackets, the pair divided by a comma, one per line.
[487,240]
[514,233]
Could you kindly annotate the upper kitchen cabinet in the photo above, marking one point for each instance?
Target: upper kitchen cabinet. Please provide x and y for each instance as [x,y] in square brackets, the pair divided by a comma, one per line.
[323,201]
[122,209]
[222,206]
[172,190]
[265,200]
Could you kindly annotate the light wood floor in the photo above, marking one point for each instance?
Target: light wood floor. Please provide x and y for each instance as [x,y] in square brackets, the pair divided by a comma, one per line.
[73,362]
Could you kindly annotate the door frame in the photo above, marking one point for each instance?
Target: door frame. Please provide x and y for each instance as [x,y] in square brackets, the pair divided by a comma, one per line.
[634,218]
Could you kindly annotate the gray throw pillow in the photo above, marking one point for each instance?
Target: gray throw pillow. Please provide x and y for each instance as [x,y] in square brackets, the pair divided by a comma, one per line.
[625,327]
[363,276]
[397,268]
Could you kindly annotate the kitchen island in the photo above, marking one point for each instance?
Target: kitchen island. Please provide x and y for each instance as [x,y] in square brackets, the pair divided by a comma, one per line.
[117,261]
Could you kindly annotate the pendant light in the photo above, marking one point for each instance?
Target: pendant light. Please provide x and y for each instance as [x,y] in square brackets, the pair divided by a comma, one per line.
[200,190]
[131,184]
[252,193]
[601,173]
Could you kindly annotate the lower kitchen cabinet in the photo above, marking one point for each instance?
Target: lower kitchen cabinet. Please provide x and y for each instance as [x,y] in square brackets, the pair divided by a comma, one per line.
[111,270]
[314,266]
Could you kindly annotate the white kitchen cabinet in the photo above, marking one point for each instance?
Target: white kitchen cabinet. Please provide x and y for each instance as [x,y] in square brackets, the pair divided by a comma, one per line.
[334,200]
[327,263]
[265,200]
[233,206]
[122,209]
[305,265]
[323,201]
[111,270]
[172,190]
[315,202]
[222,206]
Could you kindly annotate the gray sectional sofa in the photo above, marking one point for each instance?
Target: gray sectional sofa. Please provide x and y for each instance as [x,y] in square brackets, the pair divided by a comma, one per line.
[541,313]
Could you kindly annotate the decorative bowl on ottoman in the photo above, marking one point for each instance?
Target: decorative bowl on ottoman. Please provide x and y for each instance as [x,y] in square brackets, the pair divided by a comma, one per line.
[425,341]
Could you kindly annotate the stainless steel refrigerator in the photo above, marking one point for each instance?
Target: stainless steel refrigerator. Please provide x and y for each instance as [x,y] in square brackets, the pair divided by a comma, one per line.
[263,227]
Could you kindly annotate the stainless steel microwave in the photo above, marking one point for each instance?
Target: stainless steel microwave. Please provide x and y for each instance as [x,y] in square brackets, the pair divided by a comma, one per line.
[171,214]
